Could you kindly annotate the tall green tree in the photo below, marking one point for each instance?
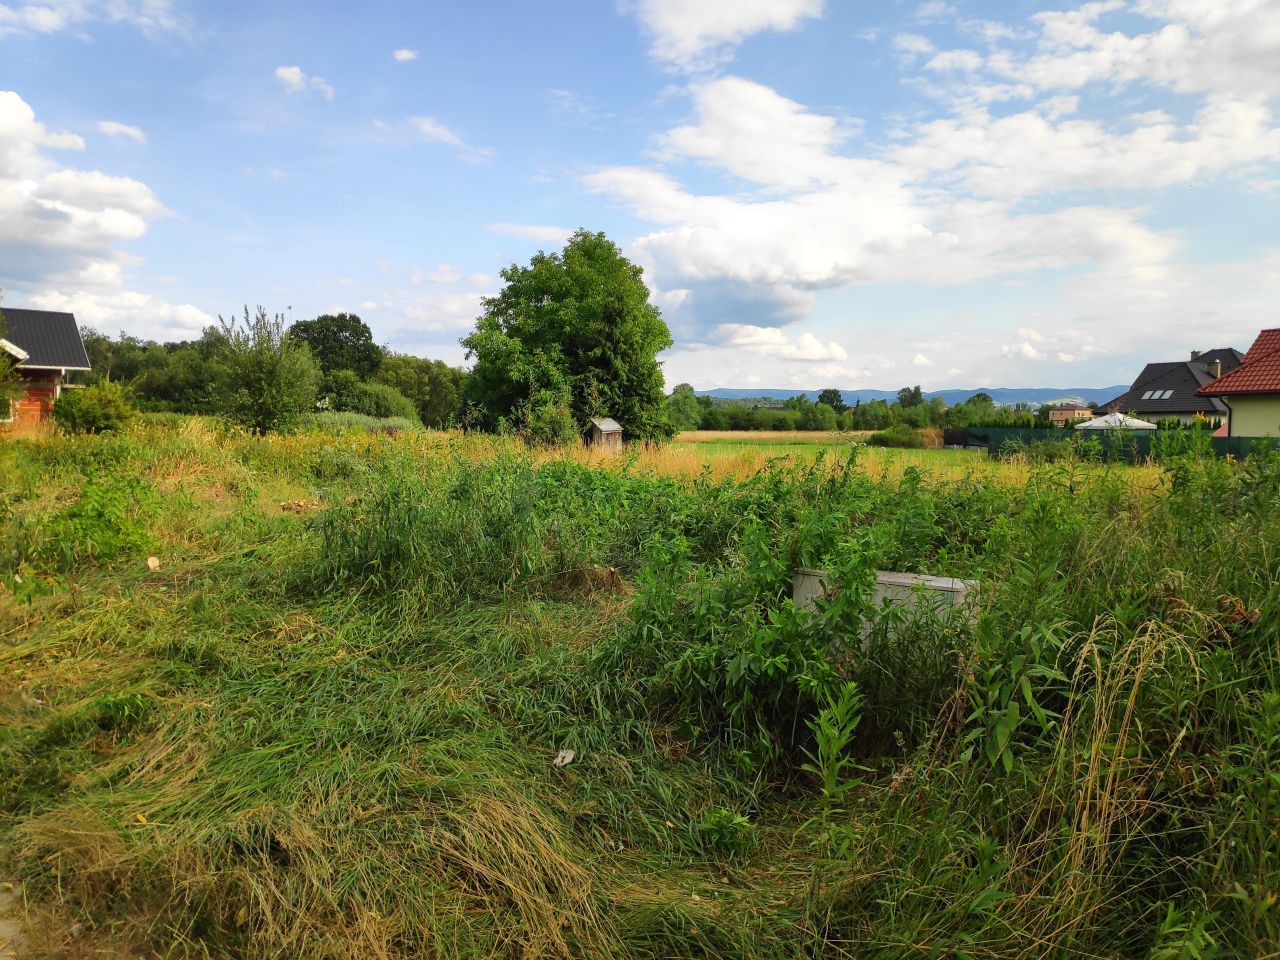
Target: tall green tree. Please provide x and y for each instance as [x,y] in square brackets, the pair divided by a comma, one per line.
[340,341]
[683,408]
[271,379]
[834,399]
[573,326]
[910,397]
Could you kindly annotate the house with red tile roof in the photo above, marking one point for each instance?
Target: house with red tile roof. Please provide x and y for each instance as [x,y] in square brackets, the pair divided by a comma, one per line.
[1251,391]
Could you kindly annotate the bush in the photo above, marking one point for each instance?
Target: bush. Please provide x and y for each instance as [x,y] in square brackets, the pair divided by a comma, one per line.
[898,435]
[96,409]
[548,421]
[347,393]
[271,378]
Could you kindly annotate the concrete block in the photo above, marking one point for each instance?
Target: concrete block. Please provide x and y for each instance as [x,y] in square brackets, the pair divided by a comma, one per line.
[912,589]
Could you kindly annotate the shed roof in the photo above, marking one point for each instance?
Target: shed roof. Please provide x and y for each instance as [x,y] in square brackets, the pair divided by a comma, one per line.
[606,424]
[48,338]
[1259,372]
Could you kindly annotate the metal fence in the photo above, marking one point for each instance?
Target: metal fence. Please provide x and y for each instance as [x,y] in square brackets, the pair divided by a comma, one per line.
[1130,445]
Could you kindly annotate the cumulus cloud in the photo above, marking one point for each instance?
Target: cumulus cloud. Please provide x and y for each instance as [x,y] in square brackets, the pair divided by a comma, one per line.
[137,313]
[697,34]
[113,128]
[969,194]
[63,230]
[295,80]
[404,55]
[1227,46]
[775,343]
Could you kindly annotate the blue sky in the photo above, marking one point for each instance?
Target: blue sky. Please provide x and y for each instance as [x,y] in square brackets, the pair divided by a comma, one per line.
[822,193]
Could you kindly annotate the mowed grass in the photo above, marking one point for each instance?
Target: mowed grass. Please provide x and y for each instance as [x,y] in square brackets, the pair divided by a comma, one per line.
[325,724]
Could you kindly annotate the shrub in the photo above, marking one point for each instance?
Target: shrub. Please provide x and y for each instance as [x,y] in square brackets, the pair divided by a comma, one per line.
[898,435]
[347,393]
[271,378]
[96,409]
[548,420]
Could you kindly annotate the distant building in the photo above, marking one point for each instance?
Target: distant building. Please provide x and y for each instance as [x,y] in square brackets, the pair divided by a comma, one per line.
[44,346]
[1172,389]
[605,434]
[1251,391]
[1066,414]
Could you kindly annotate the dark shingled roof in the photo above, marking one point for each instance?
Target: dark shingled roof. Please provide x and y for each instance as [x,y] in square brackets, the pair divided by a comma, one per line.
[50,339]
[1167,389]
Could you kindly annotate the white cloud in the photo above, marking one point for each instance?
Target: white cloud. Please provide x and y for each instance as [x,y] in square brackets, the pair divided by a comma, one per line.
[553,236]
[920,360]
[698,34]
[773,342]
[153,17]
[295,80]
[1023,349]
[346,282]
[404,55]
[444,313]
[913,44]
[141,314]
[1029,153]
[971,194]
[62,231]
[113,128]
[1226,46]
[434,131]
[934,10]
[966,60]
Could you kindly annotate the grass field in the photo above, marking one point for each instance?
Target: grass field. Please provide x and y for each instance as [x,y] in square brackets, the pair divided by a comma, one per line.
[302,697]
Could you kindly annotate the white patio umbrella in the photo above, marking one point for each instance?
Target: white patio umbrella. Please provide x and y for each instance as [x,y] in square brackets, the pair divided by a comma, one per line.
[1116,421]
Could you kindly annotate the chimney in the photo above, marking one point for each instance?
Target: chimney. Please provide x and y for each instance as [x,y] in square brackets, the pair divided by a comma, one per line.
[1195,355]
[1215,369]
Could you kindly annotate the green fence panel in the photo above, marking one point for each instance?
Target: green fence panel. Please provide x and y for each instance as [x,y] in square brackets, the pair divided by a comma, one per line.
[1130,445]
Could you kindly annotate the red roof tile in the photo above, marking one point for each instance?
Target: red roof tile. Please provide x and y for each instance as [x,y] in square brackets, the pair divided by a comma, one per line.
[1259,372]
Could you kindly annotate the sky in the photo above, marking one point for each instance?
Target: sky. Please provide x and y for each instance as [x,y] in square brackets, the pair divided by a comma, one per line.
[955,193]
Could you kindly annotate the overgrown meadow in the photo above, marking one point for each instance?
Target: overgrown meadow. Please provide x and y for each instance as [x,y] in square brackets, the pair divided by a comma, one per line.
[324,725]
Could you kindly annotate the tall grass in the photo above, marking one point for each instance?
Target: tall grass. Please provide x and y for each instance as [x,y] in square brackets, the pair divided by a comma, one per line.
[324,725]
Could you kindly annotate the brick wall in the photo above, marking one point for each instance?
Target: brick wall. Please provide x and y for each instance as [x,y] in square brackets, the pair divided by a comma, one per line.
[42,390]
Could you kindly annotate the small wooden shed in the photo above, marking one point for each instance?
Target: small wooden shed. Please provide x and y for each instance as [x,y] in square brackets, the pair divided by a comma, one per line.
[605,434]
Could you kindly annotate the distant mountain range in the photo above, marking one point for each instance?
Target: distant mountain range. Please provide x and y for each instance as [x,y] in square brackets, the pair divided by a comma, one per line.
[1003,396]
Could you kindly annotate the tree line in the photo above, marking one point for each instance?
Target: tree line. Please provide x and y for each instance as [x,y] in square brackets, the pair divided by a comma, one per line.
[257,370]
[829,412]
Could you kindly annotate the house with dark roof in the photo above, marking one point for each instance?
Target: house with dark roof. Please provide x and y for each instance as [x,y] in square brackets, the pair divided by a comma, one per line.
[1251,390]
[44,347]
[1172,389]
